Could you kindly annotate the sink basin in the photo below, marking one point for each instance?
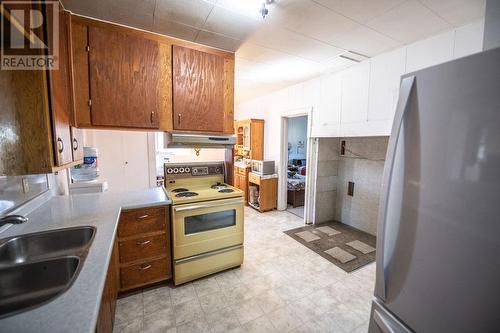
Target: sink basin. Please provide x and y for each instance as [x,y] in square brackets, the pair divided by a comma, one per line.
[36,268]
[53,243]
[27,285]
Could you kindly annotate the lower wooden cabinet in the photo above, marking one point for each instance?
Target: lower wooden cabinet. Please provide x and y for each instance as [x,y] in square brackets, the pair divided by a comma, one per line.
[144,273]
[144,247]
[241,180]
[141,256]
[267,187]
[106,318]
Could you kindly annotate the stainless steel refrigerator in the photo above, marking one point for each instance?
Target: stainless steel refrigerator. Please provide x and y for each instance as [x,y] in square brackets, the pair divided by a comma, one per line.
[438,251]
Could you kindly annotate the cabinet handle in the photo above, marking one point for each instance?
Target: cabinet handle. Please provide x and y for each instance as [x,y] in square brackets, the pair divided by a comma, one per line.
[142,217]
[143,243]
[60,143]
[144,268]
[179,119]
[152,117]
[75,144]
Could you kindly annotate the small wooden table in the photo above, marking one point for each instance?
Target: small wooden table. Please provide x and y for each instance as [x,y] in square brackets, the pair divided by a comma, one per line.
[267,188]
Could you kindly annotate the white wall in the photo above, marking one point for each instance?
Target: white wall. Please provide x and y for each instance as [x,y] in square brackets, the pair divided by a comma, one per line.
[205,155]
[360,100]
[126,158]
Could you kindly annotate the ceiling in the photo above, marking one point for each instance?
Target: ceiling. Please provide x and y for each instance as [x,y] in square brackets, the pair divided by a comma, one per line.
[299,39]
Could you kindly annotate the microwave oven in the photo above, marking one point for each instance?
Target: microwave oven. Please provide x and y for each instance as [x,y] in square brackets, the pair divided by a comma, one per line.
[263,167]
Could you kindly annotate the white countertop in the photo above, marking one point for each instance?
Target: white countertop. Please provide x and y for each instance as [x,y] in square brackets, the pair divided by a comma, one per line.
[77,309]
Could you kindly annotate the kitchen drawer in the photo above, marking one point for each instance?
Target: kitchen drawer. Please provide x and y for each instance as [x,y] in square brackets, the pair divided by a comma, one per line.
[145,273]
[143,247]
[139,221]
[242,171]
[253,178]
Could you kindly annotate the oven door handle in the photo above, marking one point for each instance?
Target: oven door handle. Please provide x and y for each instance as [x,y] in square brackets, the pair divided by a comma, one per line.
[208,205]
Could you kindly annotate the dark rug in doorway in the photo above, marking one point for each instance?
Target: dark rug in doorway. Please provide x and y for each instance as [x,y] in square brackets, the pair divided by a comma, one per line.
[343,245]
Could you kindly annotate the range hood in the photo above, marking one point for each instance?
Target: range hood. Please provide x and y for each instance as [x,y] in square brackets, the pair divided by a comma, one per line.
[189,140]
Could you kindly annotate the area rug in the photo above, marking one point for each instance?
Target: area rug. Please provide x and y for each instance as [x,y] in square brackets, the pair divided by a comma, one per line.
[342,245]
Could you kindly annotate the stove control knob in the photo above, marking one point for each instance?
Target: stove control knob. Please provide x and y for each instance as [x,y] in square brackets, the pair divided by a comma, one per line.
[176,170]
[169,170]
[217,170]
[181,170]
[188,170]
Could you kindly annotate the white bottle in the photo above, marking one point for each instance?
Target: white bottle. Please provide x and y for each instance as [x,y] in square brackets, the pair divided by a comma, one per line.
[89,170]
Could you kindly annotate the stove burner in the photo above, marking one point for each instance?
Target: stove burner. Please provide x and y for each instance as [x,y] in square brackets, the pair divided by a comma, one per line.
[218,186]
[186,194]
[226,190]
[177,190]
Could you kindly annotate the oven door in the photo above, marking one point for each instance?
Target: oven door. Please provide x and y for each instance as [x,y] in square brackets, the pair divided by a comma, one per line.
[206,226]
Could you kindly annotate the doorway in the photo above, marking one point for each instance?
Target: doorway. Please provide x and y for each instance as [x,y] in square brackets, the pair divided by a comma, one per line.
[310,150]
[296,164]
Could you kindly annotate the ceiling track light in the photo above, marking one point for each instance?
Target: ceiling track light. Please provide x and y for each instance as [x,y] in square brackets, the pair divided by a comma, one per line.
[263,10]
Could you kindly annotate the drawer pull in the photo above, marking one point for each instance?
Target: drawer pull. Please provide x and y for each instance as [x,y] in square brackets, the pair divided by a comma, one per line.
[142,217]
[143,243]
[144,268]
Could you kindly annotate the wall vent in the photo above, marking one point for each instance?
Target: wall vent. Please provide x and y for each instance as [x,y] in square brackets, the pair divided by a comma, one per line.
[354,56]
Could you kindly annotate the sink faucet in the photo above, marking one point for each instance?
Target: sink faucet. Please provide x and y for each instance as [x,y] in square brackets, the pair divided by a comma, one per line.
[14,219]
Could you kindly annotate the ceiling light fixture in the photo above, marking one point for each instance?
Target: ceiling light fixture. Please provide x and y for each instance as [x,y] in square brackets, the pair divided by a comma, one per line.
[263,10]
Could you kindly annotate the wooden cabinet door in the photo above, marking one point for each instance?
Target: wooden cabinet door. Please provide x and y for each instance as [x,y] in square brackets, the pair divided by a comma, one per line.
[124,79]
[106,318]
[244,185]
[77,143]
[236,178]
[198,90]
[80,74]
[60,94]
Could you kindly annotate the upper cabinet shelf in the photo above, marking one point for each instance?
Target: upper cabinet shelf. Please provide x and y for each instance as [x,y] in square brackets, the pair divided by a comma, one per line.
[127,78]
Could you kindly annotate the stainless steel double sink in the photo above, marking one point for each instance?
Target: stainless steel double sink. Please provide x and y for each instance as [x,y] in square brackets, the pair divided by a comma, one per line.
[36,268]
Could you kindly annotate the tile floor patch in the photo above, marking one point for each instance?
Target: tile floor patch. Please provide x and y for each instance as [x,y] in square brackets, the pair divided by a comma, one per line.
[328,230]
[281,283]
[307,236]
[361,247]
[340,255]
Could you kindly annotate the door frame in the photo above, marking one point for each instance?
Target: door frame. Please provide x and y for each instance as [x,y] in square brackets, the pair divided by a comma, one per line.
[311,163]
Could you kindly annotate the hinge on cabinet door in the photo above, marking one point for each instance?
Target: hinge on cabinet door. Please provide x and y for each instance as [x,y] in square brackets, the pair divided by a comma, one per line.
[87,48]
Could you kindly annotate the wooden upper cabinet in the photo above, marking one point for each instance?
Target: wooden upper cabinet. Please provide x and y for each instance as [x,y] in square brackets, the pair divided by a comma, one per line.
[60,94]
[124,79]
[127,78]
[80,74]
[198,90]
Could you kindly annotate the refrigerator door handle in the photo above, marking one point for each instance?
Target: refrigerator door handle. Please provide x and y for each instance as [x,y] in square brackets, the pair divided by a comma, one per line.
[382,323]
[382,255]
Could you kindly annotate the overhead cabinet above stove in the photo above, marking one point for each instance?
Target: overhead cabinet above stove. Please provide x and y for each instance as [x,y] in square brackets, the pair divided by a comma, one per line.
[132,79]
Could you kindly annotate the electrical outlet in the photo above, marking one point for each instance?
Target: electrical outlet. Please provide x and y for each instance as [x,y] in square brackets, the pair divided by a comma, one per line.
[350,189]
[26,186]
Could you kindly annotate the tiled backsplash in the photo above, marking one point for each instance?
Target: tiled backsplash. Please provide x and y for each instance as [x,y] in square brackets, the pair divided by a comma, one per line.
[12,193]
[326,180]
[363,164]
